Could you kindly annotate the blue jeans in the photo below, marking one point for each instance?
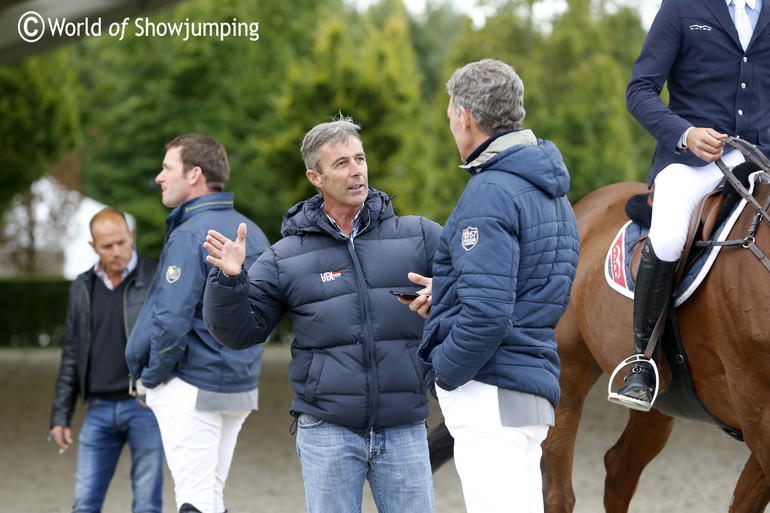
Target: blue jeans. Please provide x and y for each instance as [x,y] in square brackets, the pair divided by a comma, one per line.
[108,425]
[336,461]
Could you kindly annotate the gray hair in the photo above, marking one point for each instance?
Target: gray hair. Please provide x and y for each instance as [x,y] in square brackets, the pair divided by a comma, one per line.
[339,129]
[492,92]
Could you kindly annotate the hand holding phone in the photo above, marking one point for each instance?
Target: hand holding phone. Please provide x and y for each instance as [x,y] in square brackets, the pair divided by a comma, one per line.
[419,301]
[406,294]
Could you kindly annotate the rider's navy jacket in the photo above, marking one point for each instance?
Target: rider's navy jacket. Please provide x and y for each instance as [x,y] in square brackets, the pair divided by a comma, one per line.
[169,338]
[503,272]
[693,47]
[354,357]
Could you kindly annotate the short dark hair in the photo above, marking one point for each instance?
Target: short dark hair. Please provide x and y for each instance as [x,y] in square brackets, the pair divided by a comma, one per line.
[206,153]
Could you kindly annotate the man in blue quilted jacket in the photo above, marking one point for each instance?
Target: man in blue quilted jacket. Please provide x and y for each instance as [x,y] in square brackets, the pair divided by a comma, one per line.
[502,278]
[360,397]
[199,391]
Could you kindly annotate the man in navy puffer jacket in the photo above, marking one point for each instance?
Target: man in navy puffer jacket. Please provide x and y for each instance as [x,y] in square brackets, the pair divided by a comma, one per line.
[360,396]
[502,279]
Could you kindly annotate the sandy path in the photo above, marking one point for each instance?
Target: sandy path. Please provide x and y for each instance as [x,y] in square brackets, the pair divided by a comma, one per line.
[695,473]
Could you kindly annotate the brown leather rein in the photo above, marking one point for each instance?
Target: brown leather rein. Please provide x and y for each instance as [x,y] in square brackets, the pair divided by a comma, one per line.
[749,242]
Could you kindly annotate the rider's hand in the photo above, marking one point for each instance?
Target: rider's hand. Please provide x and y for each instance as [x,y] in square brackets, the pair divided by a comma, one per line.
[706,143]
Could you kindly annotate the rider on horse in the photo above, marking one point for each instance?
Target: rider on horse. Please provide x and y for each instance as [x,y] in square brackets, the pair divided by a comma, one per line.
[715,90]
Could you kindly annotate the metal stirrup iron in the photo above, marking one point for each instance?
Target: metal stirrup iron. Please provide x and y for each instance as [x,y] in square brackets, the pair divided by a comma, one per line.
[646,358]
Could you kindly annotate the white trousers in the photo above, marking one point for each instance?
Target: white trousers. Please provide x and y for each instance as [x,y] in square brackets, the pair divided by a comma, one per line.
[499,467]
[199,445]
[678,189]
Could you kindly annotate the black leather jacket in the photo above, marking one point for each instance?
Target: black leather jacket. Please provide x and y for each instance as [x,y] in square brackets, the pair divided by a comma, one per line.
[77,338]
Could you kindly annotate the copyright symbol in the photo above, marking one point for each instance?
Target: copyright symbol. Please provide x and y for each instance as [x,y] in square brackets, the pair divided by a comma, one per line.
[31,26]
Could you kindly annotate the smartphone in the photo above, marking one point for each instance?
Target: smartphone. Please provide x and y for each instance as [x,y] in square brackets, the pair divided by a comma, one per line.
[406,294]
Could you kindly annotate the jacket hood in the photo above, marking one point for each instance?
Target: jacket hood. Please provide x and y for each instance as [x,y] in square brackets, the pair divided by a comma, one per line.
[537,161]
[307,216]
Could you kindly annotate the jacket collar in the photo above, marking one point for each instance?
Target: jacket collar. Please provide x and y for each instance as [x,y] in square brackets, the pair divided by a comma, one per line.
[750,3]
[214,201]
[498,144]
[763,21]
[143,271]
[308,216]
[722,14]
[101,273]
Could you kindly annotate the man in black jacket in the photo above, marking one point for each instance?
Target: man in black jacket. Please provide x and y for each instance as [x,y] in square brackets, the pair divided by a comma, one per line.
[104,303]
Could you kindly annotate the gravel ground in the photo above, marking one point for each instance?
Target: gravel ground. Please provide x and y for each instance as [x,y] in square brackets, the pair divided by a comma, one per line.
[695,473]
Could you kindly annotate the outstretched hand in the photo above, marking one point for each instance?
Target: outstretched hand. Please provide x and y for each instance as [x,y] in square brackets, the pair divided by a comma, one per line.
[226,254]
[421,304]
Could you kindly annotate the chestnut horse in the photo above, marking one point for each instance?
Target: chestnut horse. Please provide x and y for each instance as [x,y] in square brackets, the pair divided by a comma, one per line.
[725,331]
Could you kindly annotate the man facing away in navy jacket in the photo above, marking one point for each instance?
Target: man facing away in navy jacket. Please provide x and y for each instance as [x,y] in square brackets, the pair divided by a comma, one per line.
[502,278]
[200,391]
[360,399]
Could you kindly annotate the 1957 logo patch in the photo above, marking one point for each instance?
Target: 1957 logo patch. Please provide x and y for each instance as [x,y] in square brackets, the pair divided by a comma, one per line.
[173,273]
[470,238]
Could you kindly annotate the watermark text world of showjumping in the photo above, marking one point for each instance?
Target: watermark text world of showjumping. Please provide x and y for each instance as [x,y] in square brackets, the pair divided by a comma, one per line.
[32,27]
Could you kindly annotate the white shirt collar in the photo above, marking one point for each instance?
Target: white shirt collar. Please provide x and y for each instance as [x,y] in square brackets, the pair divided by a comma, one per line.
[750,3]
[102,274]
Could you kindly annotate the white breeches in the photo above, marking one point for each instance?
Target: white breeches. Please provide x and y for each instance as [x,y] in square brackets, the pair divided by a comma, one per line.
[678,189]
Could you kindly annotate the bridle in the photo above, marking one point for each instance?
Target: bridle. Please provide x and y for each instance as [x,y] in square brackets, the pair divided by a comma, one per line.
[749,242]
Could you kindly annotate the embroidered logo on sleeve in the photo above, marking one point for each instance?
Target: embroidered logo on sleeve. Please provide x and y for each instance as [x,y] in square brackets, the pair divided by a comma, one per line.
[330,275]
[470,238]
[173,273]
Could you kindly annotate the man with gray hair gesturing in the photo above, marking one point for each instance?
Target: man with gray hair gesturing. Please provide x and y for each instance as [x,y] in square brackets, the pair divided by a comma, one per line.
[360,399]
[503,275]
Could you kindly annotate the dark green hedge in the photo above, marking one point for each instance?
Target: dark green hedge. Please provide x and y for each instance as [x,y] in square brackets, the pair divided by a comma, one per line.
[33,311]
[34,314]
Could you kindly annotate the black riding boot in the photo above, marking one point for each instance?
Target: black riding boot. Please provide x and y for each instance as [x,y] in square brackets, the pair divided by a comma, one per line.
[654,284]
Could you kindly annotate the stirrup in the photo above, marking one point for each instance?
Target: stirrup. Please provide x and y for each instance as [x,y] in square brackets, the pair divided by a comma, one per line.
[630,402]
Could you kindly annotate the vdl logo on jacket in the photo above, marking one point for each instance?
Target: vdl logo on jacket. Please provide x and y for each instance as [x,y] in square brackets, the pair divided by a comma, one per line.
[330,275]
